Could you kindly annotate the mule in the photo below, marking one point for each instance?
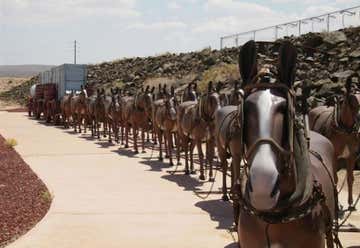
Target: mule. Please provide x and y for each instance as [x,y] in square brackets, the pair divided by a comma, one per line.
[78,109]
[65,106]
[137,113]
[165,123]
[101,110]
[115,113]
[195,125]
[285,194]
[341,125]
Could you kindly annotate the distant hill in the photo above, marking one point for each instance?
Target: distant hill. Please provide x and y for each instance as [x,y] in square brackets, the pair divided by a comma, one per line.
[22,70]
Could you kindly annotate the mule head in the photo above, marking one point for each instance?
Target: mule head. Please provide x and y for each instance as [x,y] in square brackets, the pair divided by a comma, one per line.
[350,107]
[209,103]
[265,127]
[171,107]
[190,94]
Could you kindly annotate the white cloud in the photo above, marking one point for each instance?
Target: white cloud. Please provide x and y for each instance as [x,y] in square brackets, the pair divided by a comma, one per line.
[174,6]
[166,25]
[41,11]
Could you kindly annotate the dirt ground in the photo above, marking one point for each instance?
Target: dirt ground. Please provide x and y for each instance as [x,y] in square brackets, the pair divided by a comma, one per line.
[6,83]
[24,197]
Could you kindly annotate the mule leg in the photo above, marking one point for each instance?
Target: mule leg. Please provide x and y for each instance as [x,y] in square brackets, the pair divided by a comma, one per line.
[98,128]
[127,135]
[350,180]
[166,144]
[201,158]
[177,141]
[116,130]
[192,147]
[159,132]
[169,136]
[224,166]
[235,187]
[143,141]
[210,150]
[185,144]
[135,134]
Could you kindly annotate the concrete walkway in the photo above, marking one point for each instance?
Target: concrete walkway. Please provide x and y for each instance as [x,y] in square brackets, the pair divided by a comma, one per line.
[104,197]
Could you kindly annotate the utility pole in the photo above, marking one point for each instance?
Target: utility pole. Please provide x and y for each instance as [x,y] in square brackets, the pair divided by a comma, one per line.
[75,52]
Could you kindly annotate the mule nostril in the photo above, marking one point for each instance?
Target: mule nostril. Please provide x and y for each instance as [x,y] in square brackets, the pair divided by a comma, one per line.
[276,187]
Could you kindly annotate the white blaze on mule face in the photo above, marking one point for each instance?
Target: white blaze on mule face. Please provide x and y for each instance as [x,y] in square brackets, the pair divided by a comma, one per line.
[263,171]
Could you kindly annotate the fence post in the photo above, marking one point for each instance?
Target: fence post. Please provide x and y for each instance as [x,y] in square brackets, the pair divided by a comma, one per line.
[221,43]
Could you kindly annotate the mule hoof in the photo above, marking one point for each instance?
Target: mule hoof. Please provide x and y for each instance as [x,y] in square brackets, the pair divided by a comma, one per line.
[211,179]
[193,172]
[167,156]
[155,143]
[178,163]
[352,208]
[136,152]
[225,198]
[171,164]
[126,146]
[161,159]
[202,177]
[187,172]
[144,151]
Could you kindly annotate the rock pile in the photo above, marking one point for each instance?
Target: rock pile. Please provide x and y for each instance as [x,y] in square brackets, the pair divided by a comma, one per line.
[326,60]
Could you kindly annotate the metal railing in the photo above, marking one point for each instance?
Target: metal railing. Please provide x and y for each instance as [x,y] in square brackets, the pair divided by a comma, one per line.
[325,22]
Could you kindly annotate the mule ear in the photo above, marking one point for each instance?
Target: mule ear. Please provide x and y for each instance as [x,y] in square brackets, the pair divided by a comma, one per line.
[210,87]
[153,89]
[218,87]
[172,91]
[147,88]
[287,63]
[349,84]
[103,91]
[248,62]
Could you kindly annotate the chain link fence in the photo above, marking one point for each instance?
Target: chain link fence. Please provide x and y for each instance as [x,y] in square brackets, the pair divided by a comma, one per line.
[322,23]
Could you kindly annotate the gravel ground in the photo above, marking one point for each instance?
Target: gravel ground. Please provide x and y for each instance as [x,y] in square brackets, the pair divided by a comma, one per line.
[24,198]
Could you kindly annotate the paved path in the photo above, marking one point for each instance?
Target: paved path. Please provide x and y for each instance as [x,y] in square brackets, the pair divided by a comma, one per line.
[105,198]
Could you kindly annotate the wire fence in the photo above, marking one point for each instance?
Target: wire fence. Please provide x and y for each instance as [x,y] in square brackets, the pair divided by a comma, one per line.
[322,23]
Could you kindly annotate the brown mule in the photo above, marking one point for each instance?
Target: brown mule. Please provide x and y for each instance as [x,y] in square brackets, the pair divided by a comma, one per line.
[165,123]
[195,125]
[341,125]
[101,110]
[285,191]
[115,113]
[65,106]
[78,109]
[137,112]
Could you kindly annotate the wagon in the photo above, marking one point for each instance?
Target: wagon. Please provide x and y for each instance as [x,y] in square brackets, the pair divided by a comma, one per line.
[54,85]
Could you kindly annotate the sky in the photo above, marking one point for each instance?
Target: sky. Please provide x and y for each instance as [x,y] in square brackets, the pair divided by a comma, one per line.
[43,31]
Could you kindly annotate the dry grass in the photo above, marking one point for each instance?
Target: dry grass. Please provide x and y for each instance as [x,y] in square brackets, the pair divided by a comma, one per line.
[11,143]
[223,73]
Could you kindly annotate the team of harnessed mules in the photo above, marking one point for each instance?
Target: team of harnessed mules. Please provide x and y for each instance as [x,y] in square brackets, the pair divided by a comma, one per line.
[283,176]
